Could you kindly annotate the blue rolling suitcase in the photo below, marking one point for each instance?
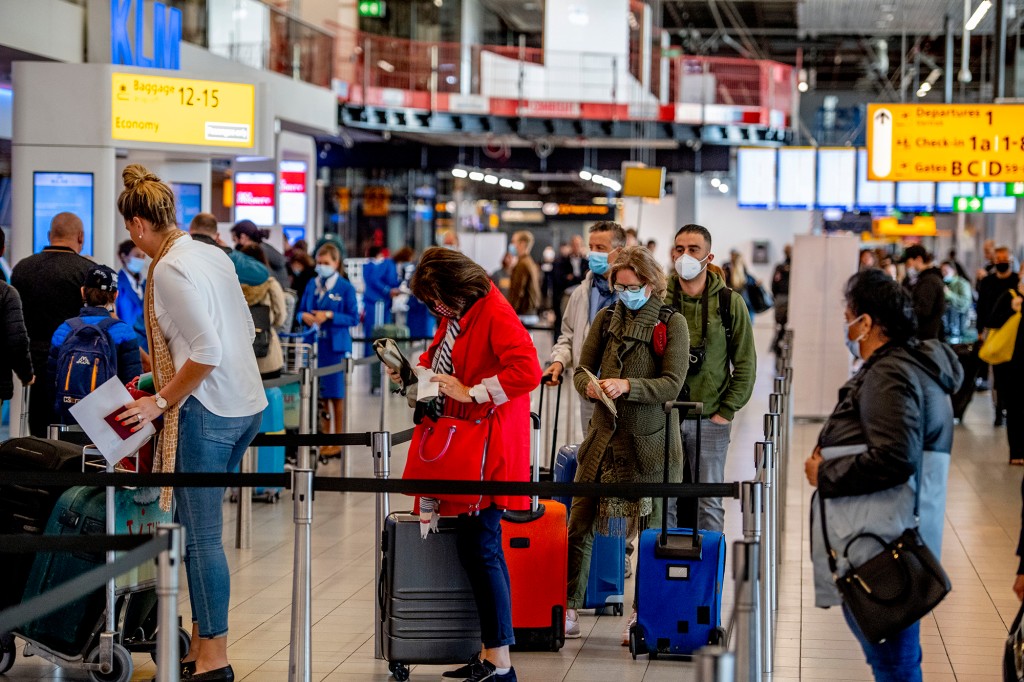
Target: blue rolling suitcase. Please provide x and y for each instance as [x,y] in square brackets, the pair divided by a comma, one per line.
[680,573]
[270,460]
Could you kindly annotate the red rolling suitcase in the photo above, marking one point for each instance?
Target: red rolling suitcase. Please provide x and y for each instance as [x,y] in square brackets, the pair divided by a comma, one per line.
[536,546]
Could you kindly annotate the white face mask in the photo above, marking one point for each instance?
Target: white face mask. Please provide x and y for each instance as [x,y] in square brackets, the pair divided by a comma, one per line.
[853,344]
[689,267]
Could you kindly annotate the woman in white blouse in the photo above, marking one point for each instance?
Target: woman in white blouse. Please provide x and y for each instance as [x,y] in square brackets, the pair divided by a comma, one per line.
[209,394]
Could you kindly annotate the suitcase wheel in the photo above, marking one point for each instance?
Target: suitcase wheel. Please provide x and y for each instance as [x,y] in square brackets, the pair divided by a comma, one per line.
[121,669]
[637,643]
[184,643]
[718,637]
[400,672]
[7,652]
[618,609]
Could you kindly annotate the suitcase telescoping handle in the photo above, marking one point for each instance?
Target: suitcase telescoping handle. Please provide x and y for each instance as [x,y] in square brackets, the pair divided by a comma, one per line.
[678,546]
[536,509]
[26,391]
[558,406]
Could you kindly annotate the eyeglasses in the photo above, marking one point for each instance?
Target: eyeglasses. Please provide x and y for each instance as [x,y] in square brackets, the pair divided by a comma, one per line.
[631,288]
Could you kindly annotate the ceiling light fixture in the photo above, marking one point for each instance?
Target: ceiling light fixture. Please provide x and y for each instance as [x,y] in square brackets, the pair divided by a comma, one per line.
[460,172]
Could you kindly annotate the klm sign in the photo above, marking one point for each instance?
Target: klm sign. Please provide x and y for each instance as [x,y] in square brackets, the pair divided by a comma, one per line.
[128,32]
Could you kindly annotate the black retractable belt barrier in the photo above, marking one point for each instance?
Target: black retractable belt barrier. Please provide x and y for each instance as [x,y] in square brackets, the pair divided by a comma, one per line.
[25,544]
[331,369]
[283,380]
[399,437]
[311,439]
[376,485]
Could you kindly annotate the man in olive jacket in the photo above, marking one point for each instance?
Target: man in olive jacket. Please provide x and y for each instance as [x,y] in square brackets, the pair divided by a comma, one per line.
[723,362]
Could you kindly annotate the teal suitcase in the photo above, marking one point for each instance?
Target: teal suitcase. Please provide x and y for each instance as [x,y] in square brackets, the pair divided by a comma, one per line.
[82,511]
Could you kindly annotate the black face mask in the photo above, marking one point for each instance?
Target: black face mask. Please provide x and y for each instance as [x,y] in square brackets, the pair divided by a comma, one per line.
[1002,267]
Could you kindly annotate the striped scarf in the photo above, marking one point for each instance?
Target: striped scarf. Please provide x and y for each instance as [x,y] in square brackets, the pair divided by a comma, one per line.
[442,363]
[163,372]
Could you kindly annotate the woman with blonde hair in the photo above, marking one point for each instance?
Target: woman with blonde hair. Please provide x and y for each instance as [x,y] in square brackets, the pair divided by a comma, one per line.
[640,350]
[208,391]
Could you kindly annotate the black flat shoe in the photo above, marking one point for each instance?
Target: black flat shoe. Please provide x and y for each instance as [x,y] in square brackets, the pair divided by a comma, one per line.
[187,668]
[225,674]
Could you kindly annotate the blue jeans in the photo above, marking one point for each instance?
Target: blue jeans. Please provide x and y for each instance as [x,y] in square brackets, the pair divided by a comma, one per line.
[480,552]
[897,659]
[714,447]
[208,443]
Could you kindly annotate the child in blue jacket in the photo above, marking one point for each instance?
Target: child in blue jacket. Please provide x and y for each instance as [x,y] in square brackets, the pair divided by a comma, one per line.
[99,294]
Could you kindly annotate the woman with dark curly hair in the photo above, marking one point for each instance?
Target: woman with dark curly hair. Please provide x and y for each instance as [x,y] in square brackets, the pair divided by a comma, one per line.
[890,433]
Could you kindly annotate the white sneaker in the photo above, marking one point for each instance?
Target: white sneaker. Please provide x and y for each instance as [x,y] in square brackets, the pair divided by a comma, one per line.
[629,624]
[572,628]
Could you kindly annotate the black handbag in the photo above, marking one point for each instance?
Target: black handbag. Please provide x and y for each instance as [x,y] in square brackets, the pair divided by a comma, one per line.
[1013,655]
[893,589]
[760,299]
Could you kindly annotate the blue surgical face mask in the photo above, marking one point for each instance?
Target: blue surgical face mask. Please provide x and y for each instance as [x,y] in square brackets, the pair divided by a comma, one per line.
[325,271]
[853,344]
[135,265]
[634,300]
[598,262]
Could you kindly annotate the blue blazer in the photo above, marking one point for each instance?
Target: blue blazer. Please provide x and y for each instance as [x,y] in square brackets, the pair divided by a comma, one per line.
[341,300]
[379,279]
[129,306]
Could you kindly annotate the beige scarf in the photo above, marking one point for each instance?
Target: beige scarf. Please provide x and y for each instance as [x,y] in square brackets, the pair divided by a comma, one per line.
[163,372]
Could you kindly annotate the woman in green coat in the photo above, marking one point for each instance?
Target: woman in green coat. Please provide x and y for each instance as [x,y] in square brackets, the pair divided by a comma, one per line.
[640,351]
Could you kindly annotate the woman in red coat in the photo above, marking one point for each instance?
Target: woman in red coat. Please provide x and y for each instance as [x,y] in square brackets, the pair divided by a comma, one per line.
[483,359]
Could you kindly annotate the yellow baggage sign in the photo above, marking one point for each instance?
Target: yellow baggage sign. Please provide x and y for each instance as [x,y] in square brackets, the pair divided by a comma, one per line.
[946,142]
[182,111]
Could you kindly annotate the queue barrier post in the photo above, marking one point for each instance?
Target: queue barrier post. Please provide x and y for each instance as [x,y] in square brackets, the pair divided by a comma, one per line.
[346,462]
[303,458]
[300,655]
[385,384]
[746,570]
[715,664]
[243,522]
[167,653]
[763,455]
[381,444]
[777,406]
[773,433]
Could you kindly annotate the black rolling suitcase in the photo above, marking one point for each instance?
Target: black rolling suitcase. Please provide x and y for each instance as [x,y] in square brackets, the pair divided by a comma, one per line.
[967,353]
[427,609]
[26,509]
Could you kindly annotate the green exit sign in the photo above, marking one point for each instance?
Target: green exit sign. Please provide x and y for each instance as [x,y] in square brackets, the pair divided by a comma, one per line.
[1015,189]
[372,8]
[967,204]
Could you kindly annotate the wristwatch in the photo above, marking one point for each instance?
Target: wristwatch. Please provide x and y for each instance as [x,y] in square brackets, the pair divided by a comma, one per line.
[161,401]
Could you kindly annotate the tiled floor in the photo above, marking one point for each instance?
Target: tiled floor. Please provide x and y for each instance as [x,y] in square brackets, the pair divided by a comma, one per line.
[962,639]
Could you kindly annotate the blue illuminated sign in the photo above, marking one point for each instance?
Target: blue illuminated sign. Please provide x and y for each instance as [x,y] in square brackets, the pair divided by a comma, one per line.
[166,35]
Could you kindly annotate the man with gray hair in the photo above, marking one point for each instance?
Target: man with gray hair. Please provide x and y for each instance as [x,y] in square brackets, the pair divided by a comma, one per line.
[593,294]
[50,285]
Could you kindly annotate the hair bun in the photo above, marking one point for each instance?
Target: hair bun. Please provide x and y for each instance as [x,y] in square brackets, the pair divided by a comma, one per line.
[135,174]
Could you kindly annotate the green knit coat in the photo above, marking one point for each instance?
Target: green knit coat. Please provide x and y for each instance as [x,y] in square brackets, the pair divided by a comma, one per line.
[630,447]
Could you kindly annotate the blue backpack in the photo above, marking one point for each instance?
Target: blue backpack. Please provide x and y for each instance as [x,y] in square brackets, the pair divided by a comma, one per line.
[86,359]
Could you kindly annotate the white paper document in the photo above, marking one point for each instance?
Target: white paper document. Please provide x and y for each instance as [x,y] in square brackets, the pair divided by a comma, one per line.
[425,388]
[596,383]
[91,413]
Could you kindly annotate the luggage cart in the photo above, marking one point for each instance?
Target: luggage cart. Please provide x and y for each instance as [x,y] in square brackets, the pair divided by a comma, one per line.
[129,619]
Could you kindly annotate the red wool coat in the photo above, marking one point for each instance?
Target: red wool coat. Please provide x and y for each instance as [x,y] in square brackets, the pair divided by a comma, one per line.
[493,348]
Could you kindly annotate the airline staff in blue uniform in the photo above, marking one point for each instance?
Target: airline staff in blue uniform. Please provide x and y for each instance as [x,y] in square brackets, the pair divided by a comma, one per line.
[380,278]
[131,288]
[329,302]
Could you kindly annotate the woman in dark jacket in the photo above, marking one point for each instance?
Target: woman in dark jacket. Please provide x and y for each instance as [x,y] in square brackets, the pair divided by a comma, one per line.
[893,418]
[641,367]
[1008,375]
[14,355]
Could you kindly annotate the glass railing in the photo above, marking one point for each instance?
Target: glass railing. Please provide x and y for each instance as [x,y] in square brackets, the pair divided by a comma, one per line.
[263,37]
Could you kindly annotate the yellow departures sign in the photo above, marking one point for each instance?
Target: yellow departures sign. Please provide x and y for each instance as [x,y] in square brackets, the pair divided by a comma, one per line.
[182,111]
[946,142]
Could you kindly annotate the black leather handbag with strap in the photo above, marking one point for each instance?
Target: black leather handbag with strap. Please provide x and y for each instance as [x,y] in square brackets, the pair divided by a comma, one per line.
[893,589]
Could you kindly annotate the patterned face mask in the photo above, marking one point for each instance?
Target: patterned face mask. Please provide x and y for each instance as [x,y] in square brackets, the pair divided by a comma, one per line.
[444,311]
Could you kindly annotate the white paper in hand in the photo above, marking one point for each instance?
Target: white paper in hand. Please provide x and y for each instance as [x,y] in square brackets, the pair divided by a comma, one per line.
[425,388]
[596,383]
[91,412]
